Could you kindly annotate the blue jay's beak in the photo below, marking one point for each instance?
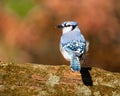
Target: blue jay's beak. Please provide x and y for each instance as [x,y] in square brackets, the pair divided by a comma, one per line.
[59,26]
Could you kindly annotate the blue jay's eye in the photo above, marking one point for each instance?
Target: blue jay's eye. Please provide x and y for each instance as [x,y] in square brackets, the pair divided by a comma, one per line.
[65,25]
[68,25]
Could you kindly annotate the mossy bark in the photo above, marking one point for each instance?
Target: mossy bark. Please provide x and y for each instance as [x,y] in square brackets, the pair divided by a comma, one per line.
[45,80]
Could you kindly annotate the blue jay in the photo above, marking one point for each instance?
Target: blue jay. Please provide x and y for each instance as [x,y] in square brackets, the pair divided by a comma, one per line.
[72,44]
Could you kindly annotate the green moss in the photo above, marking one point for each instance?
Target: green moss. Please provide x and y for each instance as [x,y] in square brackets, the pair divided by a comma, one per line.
[60,70]
[21,7]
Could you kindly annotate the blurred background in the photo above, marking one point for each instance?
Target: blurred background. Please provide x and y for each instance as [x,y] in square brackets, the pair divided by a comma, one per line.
[28,33]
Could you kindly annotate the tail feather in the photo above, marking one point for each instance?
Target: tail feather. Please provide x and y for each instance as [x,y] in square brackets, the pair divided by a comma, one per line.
[75,64]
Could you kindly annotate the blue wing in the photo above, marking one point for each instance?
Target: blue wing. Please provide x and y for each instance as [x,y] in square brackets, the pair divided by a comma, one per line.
[75,49]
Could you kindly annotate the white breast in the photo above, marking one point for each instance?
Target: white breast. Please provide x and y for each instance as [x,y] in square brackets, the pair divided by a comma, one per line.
[64,53]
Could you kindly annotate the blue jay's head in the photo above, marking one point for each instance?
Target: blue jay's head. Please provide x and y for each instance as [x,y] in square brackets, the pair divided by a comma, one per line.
[68,26]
